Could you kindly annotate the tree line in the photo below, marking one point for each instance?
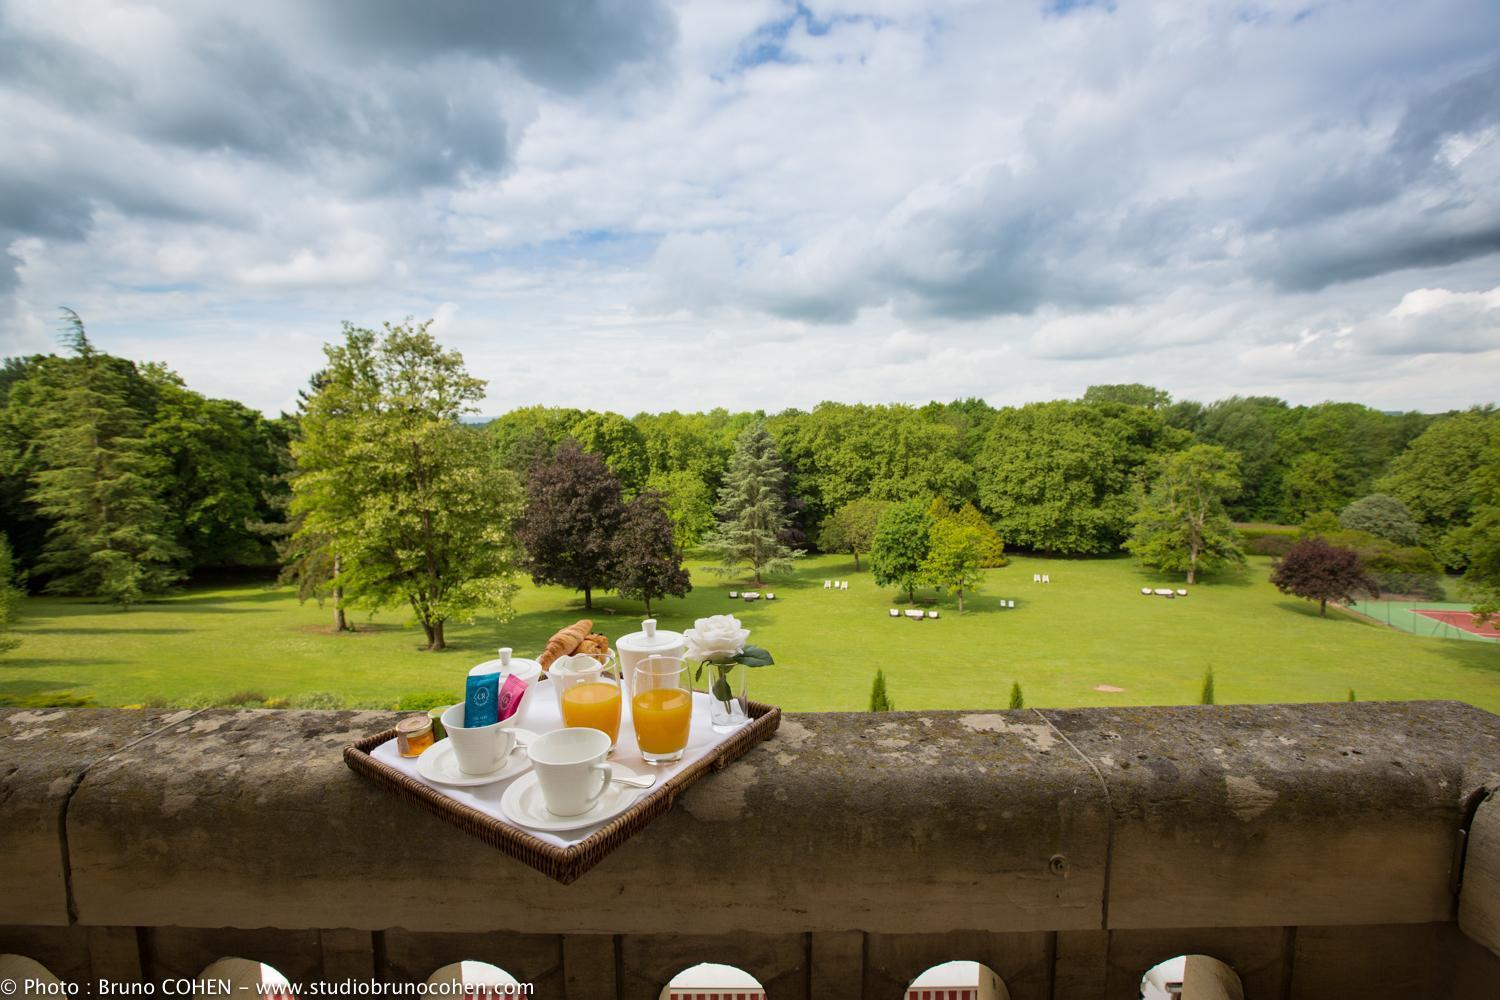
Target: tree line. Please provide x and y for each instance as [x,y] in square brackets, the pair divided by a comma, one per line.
[384,488]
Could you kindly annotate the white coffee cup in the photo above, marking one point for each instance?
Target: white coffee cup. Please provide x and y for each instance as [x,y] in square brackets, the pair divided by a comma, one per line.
[478,749]
[570,769]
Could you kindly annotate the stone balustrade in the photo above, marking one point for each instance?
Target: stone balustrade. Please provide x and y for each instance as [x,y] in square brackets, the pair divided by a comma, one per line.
[1318,850]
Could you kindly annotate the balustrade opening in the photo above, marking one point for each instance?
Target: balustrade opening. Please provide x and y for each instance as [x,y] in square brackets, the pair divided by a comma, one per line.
[246,978]
[958,980]
[1191,977]
[475,979]
[712,981]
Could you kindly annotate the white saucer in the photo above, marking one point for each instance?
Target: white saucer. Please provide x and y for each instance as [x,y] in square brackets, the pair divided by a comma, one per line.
[523,805]
[438,763]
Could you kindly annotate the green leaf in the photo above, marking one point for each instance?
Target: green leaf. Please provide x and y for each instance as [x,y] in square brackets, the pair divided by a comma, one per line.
[721,689]
[754,656]
[698,674]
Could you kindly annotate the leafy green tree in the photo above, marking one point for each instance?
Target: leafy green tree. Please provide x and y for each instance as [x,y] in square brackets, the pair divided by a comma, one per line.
[1017,699]
[955,557]
[851,528]
[1478,542]
[1381,515]
[992,554]
[880,701]
[218,460]
[572,515]
[689,504]
[529,435]
[619,443]
[902,542]
[1435,477]
[1253,427]
[752,508]
[843,452]
[110,534]
[1181,524]
[390,480]
[647,559]
[1130,394]
[10,595]
[1056,477]
[1311,485]
[1318,571]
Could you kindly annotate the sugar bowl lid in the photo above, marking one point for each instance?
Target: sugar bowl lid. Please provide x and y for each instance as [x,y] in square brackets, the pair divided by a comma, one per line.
[527,670]
[650,639]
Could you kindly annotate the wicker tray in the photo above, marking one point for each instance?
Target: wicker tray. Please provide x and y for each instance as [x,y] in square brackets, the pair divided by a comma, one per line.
[565,864]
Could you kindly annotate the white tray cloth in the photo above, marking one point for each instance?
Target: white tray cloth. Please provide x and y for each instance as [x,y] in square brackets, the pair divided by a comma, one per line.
[540,714]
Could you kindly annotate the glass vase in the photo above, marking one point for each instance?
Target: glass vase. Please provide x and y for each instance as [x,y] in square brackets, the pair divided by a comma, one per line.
[729,708]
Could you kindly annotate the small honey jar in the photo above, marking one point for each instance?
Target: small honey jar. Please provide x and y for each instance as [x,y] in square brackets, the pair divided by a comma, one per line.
[413,735]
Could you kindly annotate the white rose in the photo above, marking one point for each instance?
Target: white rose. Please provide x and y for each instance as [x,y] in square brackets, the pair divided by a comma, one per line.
[716,639]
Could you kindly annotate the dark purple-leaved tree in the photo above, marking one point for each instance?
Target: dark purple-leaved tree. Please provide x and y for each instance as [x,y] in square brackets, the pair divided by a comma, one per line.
[648,563]
[1322,572]
[572,514]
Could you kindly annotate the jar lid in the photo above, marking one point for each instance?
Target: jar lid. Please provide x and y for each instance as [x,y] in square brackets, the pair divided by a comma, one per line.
[649,639]
[414,725]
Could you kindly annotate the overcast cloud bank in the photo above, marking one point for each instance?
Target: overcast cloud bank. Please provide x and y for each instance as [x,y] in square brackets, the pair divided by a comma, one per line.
[761,204]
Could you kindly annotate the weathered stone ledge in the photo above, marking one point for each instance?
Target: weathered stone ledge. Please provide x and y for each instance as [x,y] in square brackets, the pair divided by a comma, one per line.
[905,823]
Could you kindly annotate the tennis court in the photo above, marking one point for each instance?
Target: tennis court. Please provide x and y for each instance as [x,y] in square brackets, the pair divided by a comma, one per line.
[1445,620]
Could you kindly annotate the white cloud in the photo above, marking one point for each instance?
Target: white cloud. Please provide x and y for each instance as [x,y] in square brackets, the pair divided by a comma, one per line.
[755,203]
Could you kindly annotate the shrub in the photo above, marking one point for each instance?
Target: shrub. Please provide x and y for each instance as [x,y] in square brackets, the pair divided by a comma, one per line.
[879,700]
[242,699]
[1383,516]
[1017,699]
[421,701]
[1276,545]
[47,699]
[317,699]
[1207,695]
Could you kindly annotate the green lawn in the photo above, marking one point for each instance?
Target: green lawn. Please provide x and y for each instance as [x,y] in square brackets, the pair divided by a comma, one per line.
[1089,627]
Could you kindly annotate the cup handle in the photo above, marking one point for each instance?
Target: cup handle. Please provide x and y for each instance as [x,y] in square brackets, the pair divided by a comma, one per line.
[605,774]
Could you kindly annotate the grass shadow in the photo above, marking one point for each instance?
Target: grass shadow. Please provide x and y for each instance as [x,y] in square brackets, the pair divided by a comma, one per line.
[32,662]
[108,631]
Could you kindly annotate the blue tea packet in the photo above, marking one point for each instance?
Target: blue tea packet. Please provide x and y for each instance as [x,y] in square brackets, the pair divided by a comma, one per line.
[482,700]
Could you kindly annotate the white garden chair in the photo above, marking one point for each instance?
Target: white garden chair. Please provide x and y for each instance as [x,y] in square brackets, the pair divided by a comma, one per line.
[932,614]
[895,613]
[827,584]
[734,593]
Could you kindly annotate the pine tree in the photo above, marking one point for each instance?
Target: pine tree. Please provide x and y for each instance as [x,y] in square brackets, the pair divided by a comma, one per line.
[111,535]
[752,507]
[880,701]
[1017,700]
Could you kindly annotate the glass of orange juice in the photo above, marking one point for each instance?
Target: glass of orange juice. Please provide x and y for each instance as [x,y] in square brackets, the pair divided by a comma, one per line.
[661,706]
[588,692]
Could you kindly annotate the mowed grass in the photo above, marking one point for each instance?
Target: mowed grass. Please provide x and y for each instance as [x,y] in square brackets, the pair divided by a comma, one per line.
[1089,627]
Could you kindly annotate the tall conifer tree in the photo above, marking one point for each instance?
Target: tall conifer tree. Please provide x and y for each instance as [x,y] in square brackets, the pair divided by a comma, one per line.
[752,507]
[111,535]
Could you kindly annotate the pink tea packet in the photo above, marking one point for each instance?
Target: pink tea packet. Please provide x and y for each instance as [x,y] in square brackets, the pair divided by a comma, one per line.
[511,693]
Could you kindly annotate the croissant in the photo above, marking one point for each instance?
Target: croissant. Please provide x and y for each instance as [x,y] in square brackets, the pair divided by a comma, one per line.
[565,642]
[593,643]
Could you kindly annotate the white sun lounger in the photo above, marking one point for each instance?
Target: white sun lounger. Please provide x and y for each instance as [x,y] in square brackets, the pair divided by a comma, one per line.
[1046,578]
[1036,578]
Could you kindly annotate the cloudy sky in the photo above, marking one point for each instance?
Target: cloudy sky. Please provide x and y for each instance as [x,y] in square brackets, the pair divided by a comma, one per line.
[639,204]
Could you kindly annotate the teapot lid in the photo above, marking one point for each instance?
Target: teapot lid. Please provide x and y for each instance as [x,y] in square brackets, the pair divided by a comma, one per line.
[527,670]
[649,639]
